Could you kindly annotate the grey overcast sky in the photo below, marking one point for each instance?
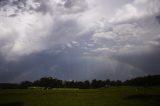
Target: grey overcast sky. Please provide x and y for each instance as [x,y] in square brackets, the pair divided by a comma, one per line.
[79,39]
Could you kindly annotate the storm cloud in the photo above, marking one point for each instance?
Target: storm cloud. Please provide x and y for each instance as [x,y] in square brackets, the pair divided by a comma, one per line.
[79,39]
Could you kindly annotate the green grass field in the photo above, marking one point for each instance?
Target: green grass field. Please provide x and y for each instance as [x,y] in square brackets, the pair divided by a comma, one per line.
[114,96]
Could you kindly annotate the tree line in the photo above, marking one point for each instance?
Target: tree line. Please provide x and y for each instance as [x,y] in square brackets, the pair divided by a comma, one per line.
[49,82]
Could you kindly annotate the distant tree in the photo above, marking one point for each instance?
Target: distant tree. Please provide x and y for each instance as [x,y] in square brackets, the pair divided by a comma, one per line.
[25,84]
[49,82]
[97,83]
[86,84]
[144,81]
[108,82]
[118,83]
[8,86]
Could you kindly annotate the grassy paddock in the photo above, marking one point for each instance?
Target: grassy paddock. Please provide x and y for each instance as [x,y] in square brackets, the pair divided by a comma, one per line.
[114,96]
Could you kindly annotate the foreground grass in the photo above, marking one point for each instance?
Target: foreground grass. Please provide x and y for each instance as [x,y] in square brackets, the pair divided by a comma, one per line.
[115,96]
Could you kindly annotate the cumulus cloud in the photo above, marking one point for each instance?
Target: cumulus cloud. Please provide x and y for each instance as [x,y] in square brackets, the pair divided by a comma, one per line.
[78,39]
[137,29]
[33,31]
[137,9]
[132,35]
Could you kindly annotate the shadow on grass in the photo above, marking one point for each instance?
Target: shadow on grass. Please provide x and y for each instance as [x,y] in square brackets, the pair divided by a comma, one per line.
[143,97]
[12,104]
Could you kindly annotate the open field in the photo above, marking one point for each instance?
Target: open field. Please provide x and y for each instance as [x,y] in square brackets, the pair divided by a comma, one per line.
[114,96]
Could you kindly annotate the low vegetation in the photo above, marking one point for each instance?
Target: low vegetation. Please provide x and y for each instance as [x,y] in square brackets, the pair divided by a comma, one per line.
[48,91]
[113,96]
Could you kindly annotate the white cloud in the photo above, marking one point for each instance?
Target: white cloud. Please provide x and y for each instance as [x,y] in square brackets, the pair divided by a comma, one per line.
[133,24]
[53,23]
[105,35]
[30,31]
[137,9]
[81,35]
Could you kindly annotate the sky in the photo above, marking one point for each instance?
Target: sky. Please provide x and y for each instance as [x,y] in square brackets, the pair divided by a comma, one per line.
[79,39]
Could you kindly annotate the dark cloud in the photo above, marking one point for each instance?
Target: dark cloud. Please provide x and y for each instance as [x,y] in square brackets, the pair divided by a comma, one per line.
[43,6]
[68,4]
[158,18]
[148,62]
[20,4]
[78,39]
